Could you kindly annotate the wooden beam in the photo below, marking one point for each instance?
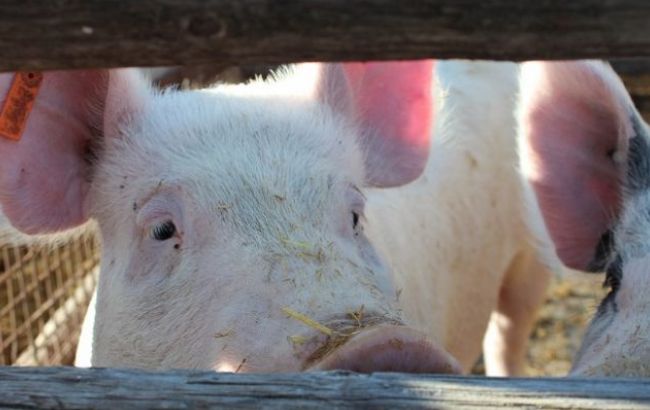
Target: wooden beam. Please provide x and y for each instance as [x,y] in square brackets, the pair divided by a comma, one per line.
[67,388]
[631,66]
[109,33]
[635,73]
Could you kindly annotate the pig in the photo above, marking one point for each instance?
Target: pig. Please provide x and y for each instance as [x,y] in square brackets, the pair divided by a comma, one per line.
[585,153]
[306,222]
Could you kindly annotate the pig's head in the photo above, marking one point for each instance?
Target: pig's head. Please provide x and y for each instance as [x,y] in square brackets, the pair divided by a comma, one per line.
[232,218]
[586,153]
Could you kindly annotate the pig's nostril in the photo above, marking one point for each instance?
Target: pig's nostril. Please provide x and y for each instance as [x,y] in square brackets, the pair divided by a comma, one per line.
[390,348]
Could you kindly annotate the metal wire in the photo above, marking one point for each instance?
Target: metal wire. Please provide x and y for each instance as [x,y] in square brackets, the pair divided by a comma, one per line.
[44,294]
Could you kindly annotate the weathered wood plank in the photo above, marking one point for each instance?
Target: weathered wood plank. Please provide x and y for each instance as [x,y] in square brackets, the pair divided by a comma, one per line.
[105,33]
[632,66]
[70,388]
[635,73]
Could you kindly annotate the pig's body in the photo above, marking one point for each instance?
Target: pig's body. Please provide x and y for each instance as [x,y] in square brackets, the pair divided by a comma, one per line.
[231,217]
[587,157]
[452,235]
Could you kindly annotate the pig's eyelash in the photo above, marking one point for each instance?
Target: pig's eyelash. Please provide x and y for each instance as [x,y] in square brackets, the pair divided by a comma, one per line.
[355,219]
[163,231]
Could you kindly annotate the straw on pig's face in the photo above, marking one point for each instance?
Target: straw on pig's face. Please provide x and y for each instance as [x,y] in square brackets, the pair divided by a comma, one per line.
[226,248]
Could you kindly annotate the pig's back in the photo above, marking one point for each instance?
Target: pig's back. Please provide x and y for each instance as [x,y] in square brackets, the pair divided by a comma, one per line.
[451,235]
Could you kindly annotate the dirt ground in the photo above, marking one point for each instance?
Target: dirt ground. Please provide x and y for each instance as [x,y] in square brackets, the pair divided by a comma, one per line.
[570,303]
[571,300]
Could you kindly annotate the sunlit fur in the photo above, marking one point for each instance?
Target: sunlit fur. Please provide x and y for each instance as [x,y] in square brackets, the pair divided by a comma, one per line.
[261,178]
[617,341]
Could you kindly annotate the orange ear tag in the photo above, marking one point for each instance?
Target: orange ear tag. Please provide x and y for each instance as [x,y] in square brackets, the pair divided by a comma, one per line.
[18,104]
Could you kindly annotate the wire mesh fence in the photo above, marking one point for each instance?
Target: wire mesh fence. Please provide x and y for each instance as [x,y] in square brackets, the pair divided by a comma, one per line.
[44,294]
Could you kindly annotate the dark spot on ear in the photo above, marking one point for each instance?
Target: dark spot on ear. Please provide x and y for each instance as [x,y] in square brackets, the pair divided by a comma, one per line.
[608,303]
[638,159]
[177,246]
[121,186]
[135,206]
[613,278]
[92,148]
[471,160]
[614,274]
[604,251]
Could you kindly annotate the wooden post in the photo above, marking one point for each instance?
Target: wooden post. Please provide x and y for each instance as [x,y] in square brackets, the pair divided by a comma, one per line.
[68,388]
[109,33]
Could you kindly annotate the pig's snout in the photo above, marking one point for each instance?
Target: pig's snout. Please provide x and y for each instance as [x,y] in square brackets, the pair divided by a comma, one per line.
[389,349]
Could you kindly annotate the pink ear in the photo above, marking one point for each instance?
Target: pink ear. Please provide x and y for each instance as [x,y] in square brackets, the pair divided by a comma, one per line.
[392,103]
[575,125]
[44,176]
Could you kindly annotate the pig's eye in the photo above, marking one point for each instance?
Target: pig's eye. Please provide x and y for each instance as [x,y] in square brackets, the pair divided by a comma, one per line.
[355,220]
[163,231]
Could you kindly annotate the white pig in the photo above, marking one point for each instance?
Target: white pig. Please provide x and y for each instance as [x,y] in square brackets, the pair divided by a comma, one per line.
[297,223]
[586,153]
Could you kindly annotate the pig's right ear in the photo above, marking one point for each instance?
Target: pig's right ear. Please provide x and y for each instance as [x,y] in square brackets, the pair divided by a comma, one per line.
[574,125]
[391,103]
[45,175]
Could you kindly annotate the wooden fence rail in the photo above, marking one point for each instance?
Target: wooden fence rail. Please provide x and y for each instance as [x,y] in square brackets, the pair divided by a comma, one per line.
[636,76]
[70,388]
[108,33]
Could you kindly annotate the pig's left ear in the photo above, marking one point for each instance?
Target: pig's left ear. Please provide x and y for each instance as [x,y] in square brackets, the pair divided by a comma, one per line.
[392,104]
[45,174]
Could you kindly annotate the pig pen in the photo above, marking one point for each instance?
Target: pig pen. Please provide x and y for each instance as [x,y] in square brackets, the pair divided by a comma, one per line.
[158,33]
[45,290]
